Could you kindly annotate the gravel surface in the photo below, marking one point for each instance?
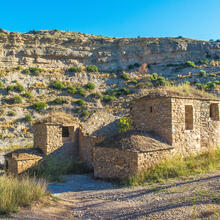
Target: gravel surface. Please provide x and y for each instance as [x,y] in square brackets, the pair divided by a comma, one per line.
[82,197]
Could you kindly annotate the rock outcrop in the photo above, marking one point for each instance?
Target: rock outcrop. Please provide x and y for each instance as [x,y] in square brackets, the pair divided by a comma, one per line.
[63,49]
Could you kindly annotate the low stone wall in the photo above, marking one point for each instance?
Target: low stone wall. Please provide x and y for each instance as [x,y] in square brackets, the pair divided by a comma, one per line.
[110,163]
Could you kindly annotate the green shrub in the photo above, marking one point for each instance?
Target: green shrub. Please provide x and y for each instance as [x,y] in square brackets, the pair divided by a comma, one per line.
[11,113]
[90,86]
[108,98]
[126,91]
[85,114]
[28,118]
[10,88]
[1,84]
[130,67]
[27,94]
[160,81]
[75,69]
[134,81]
[206,62]
[81,91]
[17,192]
[60,101]
[124,124]
[125,76]
[19,88]
[18,68]
[17,100]
[35,70]
[71,89]
[213,75]
[202,73]
[58,85]
[80,102]
[92,68]
[39,106]
[190,64]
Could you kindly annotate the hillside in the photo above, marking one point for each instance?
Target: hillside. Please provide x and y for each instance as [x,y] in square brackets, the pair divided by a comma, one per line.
[44,71]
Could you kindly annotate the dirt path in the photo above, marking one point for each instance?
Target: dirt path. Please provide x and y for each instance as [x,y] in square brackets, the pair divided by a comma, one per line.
[81,197]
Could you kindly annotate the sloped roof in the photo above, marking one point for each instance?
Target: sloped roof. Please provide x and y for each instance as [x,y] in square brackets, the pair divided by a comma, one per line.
[135,141]
[24,154]
[60,118]
[101,123]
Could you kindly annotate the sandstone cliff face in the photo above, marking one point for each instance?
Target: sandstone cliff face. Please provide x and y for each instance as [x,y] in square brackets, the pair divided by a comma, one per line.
[61,49]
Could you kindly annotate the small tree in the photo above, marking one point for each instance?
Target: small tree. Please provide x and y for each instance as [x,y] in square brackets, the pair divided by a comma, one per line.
[124,124]
[92,68]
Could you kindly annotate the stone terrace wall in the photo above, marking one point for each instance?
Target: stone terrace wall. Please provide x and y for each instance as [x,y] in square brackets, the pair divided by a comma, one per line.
[113,163]
[158,121]
[185,141]
[148,159]
[210,128]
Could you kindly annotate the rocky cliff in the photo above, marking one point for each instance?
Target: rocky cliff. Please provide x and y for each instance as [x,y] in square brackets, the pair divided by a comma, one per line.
[51,49]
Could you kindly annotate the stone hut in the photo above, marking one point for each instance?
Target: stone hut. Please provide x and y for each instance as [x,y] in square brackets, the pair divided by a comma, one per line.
[57,131]
[162,125]
[19,161]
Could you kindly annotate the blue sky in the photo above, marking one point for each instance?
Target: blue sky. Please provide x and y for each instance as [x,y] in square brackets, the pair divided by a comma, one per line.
[198,19]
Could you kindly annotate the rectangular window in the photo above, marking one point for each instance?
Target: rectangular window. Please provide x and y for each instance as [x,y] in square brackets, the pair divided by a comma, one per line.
[214,111]
[65,132]
[188,117]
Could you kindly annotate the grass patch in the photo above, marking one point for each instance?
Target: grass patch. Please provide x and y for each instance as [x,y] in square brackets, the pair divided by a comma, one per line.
[14,147]
[17,192]
[177,167]
[52,169]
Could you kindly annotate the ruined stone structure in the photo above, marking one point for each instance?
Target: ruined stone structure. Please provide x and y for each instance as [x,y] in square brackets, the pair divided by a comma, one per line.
[162,126]
[183,125]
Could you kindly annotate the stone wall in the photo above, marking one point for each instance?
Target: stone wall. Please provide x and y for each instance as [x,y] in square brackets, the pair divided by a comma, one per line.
[54,138]
[40,136]
[185,141]
[110,163]
[148,159]
[153,115]
[210,128]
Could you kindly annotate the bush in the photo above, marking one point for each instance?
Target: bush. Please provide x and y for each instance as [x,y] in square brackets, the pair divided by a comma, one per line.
[1,84]
[39,106]
[33,70]
[80,102]
[11,113]
[10,88]
[17,100]
[92,68]
[202,73]
[97,95]
[58,85]
[81,91]
[213,75]
[60,101]
[206,62]
[124,124]
[28,118]
[19,88]
[125,76]
[75,69]
[85,114]
[90,86]
[71,89]
[16,192]
[190,64]
[108,98]
[27,94]
[126,91]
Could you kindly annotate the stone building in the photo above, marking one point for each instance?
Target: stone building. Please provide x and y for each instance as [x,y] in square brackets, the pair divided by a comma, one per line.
[163,125]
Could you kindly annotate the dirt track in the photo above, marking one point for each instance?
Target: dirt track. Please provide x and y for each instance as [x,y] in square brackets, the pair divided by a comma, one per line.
[81,197]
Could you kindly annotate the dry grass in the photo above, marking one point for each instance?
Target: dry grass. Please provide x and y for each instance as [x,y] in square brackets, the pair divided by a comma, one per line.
[182,90]
[15,147]
[176,167]
[20,192]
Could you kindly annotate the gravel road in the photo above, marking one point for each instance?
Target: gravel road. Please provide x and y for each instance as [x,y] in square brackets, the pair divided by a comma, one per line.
[82,197]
